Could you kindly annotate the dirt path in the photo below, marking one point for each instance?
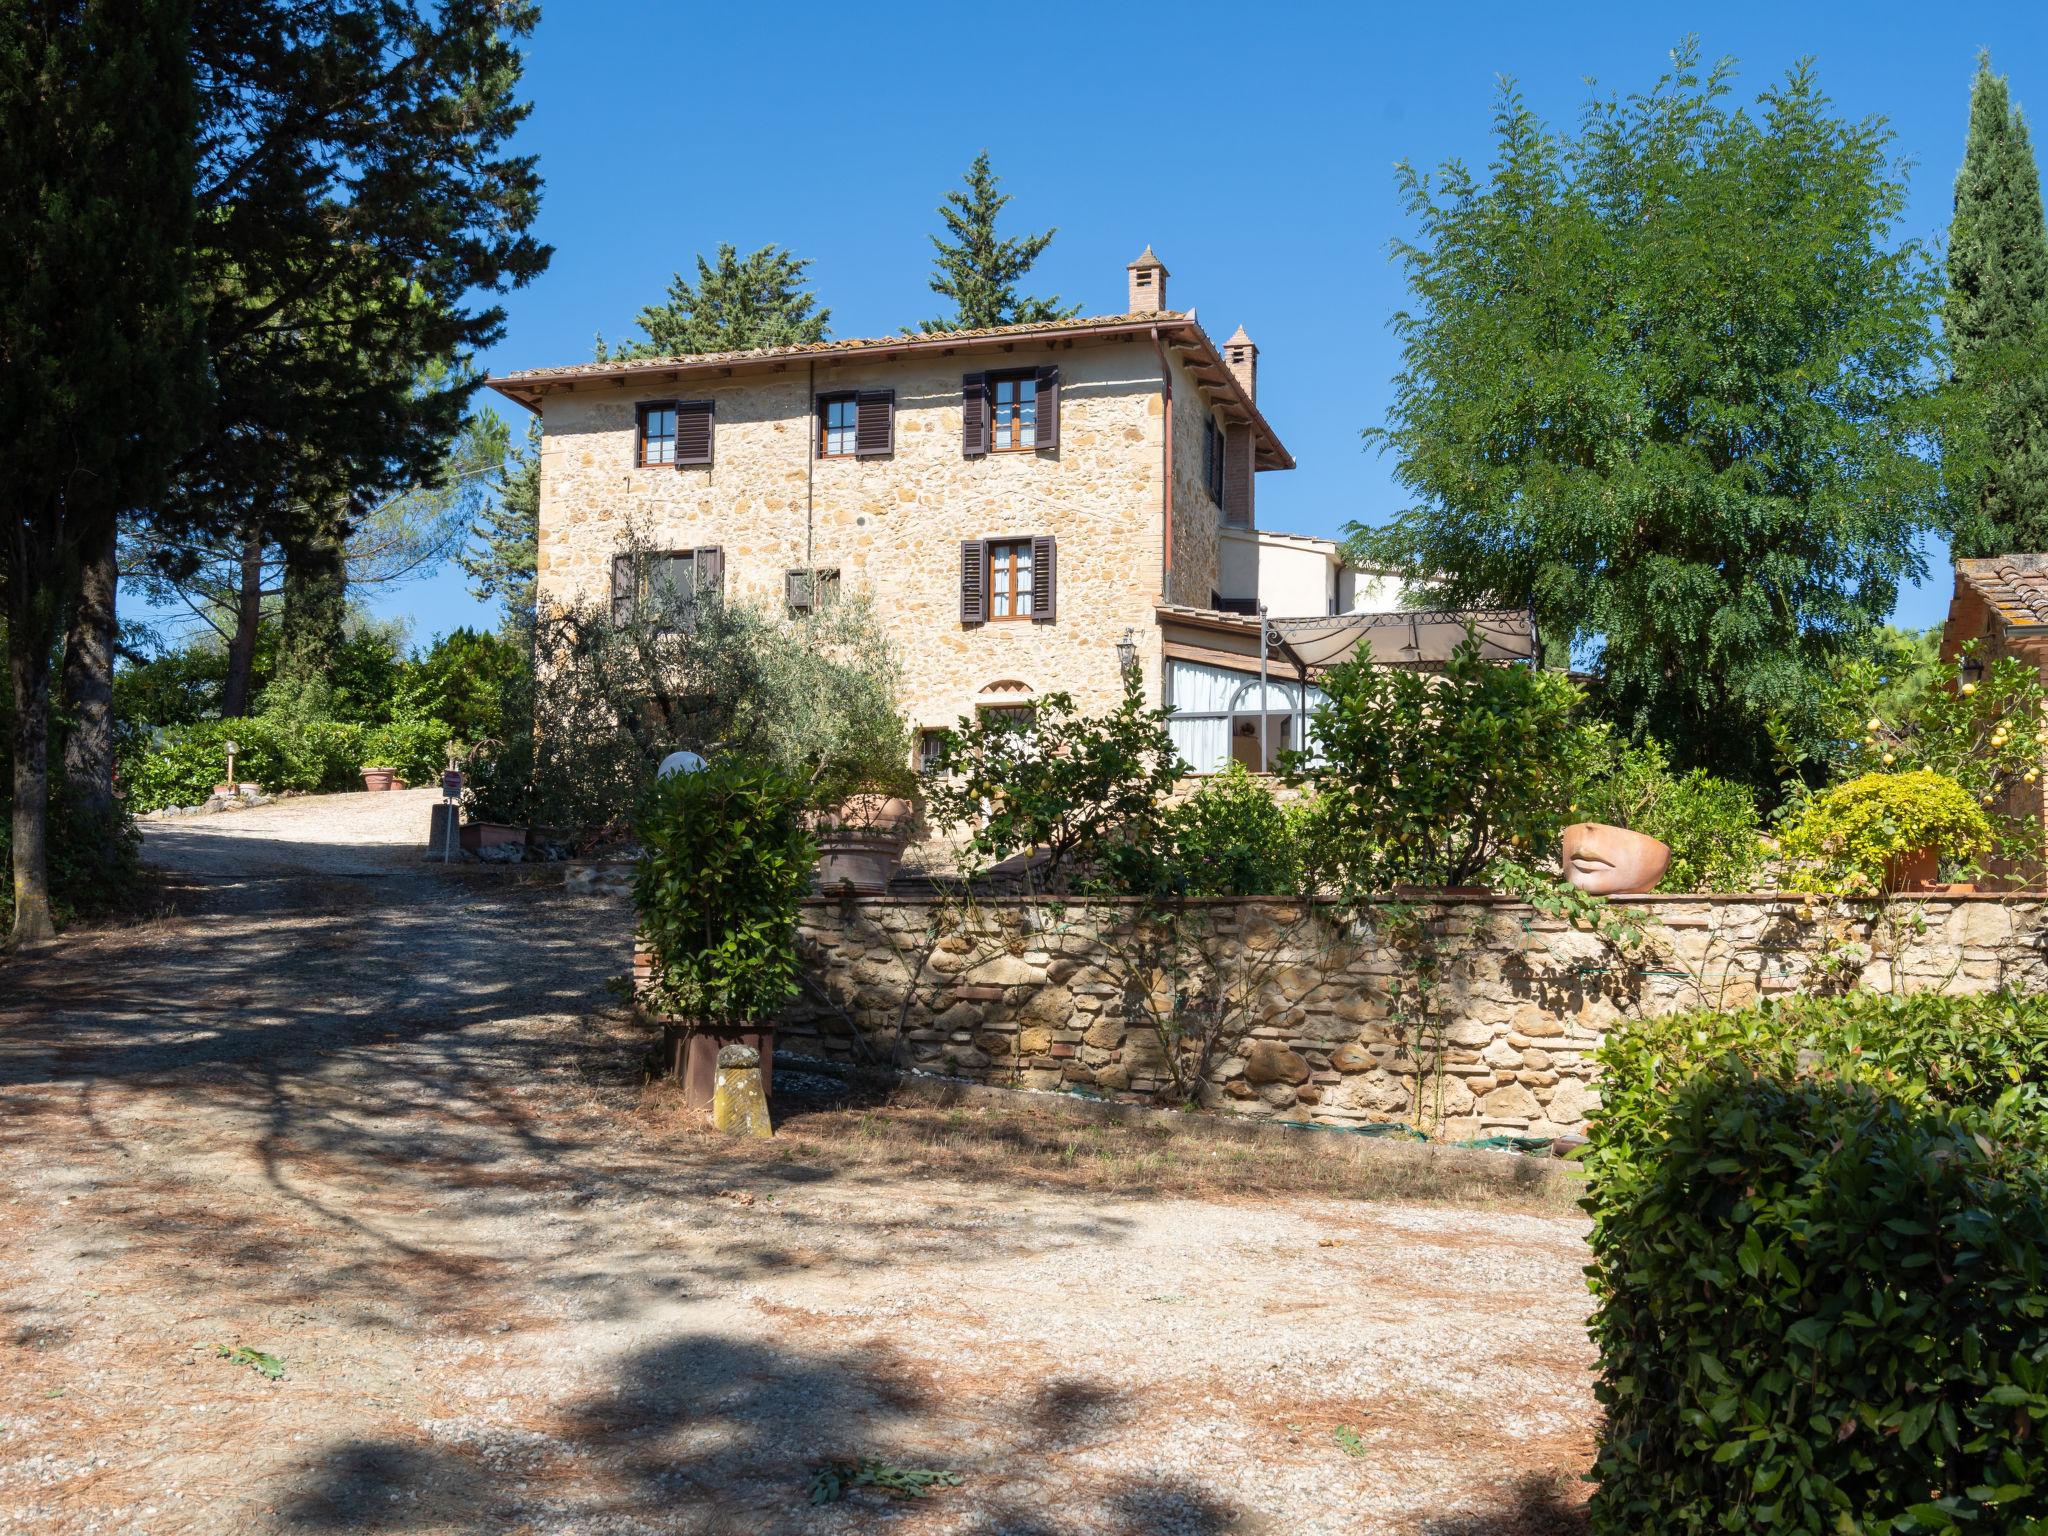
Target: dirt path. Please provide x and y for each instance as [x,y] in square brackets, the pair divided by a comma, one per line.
[370,1117]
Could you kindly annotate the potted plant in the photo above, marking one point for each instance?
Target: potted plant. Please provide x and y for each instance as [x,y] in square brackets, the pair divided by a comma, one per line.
[1884,833]
[863,824]
[379,775]
[726,865]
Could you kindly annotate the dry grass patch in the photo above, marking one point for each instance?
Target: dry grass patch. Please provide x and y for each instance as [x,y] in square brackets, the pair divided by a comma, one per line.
[1191,1157]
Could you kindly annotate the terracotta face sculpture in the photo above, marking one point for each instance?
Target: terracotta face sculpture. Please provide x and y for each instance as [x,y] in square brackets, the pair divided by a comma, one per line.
[1612,861]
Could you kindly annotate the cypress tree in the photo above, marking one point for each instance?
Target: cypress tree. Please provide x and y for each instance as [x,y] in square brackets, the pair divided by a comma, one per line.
[979,271]
[1996,319]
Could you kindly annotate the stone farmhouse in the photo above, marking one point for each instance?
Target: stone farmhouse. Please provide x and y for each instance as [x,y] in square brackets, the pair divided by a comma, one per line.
[2001,603]
[1033,508]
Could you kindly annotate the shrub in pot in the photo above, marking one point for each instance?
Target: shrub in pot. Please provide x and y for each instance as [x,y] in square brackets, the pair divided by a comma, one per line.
[727,861]
[1884,832]
[1710,825]
[863,824]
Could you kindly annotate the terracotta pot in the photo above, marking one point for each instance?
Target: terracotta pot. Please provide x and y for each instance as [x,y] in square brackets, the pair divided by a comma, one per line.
[225,791]
[850,858]
[378,778]
[690,1052]
[479,835]
[868,813]
[1915,871]
[1612,861]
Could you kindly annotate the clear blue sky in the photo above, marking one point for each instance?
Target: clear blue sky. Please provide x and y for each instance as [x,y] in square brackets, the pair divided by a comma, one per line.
[1251,146]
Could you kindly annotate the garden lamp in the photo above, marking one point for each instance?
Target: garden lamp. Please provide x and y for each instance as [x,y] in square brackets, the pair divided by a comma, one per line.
[1972,669]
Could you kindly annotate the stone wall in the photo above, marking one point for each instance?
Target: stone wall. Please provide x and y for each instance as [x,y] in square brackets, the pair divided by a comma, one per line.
[1036,995]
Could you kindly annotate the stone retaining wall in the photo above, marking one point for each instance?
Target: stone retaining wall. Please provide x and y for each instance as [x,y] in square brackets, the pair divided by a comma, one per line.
[1037,995]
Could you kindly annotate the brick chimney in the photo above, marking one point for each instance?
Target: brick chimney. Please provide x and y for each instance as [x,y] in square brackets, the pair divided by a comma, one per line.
[1148,284]
[1241,356]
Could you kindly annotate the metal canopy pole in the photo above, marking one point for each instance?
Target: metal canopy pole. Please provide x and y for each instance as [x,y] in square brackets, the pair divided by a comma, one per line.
[1265,762]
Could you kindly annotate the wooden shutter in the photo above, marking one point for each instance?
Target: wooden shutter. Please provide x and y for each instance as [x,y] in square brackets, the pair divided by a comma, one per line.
[710,568]
[973,581]
[1209,457]
[693,432]
[1045,583]
[874,423]
[622,589]
[974,415]
[1222,463]
[1048,429]
[796,590]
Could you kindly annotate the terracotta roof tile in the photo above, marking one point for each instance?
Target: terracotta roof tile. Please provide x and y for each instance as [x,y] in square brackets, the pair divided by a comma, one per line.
[831,347]
[2016,586]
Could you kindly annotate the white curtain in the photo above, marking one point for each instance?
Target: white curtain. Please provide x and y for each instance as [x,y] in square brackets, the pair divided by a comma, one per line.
[1204,745]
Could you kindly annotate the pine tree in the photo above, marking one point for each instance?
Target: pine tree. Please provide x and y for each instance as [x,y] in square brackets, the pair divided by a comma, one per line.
[1996,320]
[756,300]
[103,370]
[979,271]
[502,558]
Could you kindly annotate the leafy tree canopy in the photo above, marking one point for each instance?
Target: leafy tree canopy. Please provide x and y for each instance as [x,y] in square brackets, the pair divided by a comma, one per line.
[1664,380]
[978,269]
[737,302]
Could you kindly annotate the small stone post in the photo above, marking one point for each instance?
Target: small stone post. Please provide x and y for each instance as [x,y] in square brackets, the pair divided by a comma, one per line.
[738,1104]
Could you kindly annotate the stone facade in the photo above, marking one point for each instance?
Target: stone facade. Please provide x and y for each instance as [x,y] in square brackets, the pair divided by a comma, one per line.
[1035,995]
[892,525]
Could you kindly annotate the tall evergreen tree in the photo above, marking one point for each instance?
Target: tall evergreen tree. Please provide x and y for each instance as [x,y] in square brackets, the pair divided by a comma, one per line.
[1996,320]
[738,302]
[1660,381]
[502,557]
[100,371]
[978,269]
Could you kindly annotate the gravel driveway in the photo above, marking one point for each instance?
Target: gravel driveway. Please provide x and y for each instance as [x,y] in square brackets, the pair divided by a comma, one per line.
[372,1120]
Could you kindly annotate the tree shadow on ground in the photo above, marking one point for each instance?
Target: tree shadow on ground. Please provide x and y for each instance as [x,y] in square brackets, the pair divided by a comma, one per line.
[1541,1504]
[706,1434]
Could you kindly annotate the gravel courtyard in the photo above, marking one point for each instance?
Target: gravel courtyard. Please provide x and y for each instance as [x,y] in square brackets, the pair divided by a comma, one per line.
[377,1121]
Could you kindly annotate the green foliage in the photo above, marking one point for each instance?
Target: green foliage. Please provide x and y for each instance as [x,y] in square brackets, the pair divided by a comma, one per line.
[1930,1048]
[1231,837]
[1995,318]
[756,300]
[95,864]
[727,860]
[607,699]
[1430,778]
[180,764]
[830,1482]
[416,750]
[463,679]
[1069,786]
[502,557]
[1691,441]
[979,270]
[1820,1309]
[1844,837]
[1710,824]
[1989,736]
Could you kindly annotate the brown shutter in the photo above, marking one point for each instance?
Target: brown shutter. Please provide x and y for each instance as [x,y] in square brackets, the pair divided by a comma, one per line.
[1048,428]
[974,415]
[693,432]
[818,426]
[710,568]
[796,590]
[874,423]
[1222,467]
[622,589]
[973,581]
[1209,457]
[1045,583]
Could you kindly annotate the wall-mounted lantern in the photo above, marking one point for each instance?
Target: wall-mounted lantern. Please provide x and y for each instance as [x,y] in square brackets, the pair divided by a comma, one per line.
[1127,653]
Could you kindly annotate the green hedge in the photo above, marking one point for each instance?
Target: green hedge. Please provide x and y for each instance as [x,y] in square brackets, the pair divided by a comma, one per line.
[1821,1309]
[1952,1051]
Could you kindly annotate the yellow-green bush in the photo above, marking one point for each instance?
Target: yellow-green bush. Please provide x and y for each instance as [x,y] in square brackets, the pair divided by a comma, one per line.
[1845,836]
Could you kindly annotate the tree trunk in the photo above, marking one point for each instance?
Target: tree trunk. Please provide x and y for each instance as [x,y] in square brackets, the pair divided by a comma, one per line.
[88,683]
[28,665]
[234,694]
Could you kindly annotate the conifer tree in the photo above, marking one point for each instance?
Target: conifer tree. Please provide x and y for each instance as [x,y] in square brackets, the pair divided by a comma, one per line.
[502,557]
[979,271]
[738,302]
[1996,320]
